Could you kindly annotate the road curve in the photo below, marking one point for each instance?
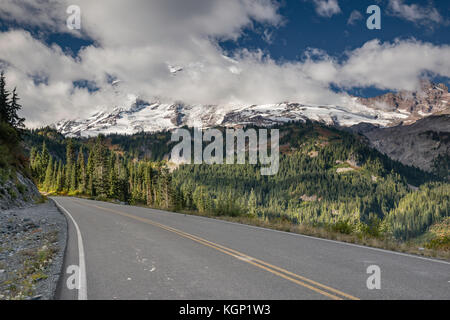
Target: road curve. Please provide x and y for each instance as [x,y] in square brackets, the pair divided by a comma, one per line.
[139,253]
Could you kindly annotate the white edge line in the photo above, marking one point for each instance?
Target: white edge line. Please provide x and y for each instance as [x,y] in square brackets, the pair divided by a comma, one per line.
[82,291]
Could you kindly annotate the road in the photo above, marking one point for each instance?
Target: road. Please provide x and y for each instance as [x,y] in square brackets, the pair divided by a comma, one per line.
[128,252]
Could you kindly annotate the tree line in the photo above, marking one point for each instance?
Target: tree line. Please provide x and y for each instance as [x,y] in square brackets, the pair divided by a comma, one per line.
[11,125]
[98,172]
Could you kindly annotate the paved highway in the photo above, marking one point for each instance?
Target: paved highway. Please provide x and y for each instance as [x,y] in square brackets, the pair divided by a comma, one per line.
[127,252]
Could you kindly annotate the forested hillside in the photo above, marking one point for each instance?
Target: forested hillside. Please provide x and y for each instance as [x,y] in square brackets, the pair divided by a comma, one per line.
[327,178]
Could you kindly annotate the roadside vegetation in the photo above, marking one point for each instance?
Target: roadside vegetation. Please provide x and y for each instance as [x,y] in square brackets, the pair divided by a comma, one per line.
[11,129]
[25,250]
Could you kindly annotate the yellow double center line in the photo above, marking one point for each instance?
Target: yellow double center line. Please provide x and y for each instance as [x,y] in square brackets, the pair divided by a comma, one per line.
[285,274]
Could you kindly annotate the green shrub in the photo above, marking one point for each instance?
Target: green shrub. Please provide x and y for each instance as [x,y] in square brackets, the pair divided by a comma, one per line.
[21,188]
[442,243]
[342,227]
[12,193]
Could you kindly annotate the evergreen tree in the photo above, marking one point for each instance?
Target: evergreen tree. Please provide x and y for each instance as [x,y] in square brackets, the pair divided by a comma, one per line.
[149,185]
[70,159]
[9,106]
[114,186]
[13,119]
[100,172]
[43,162]
[48,175]
[59,178]
[81,166]
[252,204]
[4,100]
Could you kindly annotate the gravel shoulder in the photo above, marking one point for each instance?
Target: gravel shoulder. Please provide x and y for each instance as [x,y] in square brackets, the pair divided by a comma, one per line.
[32,245]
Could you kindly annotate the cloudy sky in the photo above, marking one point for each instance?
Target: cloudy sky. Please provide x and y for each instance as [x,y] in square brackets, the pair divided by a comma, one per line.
[227,51]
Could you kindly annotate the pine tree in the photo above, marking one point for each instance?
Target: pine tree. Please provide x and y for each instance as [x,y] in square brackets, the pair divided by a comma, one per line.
[48,175]
[4,100]
[70,159]
[100,172]
[148,185]
[74,177]
[114,187]
[33,154]
[59,178]
[165,185]
[43,163]
[252,204]
[90,174]
[81,172]
[13,119]
[9,106]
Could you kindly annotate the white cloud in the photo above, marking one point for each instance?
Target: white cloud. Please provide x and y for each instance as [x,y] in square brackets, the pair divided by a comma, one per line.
[394,66]
[136,44]
[327,8]
[415,13]
[36,13]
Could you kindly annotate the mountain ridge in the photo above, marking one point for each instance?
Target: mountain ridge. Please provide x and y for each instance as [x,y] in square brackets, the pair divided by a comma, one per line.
[138,115]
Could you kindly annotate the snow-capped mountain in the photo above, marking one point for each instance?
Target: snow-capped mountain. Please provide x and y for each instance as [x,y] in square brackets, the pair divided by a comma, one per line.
[139,115]
[430,99]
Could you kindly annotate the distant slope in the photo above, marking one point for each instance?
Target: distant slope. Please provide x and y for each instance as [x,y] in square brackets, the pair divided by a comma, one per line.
[421,144]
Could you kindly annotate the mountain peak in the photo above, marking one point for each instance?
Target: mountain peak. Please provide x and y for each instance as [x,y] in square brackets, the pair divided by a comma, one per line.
[138,114]
[430,99]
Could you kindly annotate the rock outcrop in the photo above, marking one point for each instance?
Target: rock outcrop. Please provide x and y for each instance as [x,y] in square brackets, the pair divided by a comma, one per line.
[16,190]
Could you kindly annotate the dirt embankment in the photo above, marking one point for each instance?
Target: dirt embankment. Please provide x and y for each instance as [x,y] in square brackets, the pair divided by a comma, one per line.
[32,245]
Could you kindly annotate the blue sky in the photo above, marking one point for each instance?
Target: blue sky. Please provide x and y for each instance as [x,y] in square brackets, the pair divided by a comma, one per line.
[304,28]
[307,50]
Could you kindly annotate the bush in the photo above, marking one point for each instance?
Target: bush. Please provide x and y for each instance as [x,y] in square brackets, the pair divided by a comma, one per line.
[442,243]
[21,188]
[12,193]
[440,235]
[342,227]
[4,174]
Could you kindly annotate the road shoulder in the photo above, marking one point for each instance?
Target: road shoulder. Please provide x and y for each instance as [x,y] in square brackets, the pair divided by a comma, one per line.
[33,241]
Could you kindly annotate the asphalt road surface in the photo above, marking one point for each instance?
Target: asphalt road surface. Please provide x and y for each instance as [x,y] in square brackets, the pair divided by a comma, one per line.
[126,252]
